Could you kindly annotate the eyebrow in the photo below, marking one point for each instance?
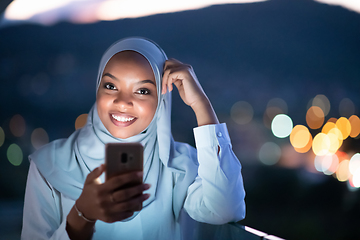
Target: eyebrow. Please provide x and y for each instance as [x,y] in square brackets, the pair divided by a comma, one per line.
[140,82]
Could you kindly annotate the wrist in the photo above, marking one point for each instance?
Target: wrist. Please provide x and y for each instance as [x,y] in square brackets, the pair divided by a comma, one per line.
[77,227]
[204,112]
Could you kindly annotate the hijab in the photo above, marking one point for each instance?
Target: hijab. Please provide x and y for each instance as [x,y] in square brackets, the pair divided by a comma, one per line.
[65,163]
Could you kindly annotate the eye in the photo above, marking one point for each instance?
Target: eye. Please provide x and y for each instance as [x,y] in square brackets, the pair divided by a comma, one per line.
[143,91]
[109,86]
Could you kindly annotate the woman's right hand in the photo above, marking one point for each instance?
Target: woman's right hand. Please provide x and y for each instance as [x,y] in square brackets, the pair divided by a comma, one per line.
[111,201]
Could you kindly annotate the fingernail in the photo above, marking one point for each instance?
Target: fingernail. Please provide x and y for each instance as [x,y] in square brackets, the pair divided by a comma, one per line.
[147,186]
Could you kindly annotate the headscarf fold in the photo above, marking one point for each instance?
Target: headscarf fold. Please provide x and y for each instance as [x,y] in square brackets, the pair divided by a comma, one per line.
[65,163]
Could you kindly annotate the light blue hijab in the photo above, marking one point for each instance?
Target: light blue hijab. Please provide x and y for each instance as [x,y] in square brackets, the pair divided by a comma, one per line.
[65,163]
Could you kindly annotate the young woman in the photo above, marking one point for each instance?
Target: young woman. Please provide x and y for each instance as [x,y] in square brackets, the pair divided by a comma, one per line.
[66,194]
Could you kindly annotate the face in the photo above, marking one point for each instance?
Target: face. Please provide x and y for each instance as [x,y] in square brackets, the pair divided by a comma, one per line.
[127,96]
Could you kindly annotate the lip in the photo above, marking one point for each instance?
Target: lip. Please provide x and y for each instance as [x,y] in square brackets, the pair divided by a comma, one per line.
[119,123]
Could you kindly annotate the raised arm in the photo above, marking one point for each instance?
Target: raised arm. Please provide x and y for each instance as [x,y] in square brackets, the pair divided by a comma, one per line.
[190,90]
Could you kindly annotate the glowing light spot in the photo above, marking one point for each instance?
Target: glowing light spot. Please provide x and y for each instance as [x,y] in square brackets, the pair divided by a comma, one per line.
[39,137]
[327,127]
[81,121]
[242,112]
[315,117]
[335,142]
[333,120]
[321,144]
[356,178]
[306,148]
[14,154]
[269,115]
[331,164]
[354,163]
[322,102]
[342,173]
[344,126]
[274,107]
[346,107]
[355,126]
[17,125]
[300,136]
[328,164]
[269,153]
[281,126]
[2,137]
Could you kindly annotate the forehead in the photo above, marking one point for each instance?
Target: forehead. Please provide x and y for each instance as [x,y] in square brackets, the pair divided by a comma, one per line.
[129,57]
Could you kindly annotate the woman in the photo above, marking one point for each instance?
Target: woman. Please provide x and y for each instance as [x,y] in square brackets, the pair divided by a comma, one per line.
[66,195]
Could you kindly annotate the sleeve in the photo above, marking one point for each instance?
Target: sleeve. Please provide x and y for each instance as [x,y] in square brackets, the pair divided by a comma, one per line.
[42,214]
[217,195]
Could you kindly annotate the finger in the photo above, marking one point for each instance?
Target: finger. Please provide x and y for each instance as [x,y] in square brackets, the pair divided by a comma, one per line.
[95,174]
[134,204]
[117,217]
[128,193]
[120,180]
[164,81]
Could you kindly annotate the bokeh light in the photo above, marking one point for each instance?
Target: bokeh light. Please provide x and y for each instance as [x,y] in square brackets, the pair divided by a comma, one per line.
[344,126]
[321,144]
[269,153]
[332,119]
[327,127]
[300,137]
[81,121]
[315,117]
[2,136]
[15,154]
[356,178]
[281,125]
[335,138]
[322,102]
[242,112]
[346,107]
[17,125]
[274,107]
[354,163]
[343,173]
[39,138]
[355,126]
[328,164]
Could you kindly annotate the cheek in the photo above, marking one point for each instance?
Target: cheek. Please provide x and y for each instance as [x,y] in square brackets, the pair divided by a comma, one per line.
[148,108]
[103,103]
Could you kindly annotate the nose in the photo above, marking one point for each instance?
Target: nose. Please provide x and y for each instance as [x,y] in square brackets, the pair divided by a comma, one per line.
[123,100]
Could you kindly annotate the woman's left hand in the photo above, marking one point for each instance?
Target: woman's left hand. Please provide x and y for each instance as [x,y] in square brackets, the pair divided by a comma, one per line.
[190,90]
[184,78]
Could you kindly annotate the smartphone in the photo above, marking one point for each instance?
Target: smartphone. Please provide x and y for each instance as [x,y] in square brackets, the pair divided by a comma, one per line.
[123,158]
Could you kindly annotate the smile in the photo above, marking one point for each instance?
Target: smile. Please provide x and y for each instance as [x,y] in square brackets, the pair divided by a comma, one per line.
[122,119]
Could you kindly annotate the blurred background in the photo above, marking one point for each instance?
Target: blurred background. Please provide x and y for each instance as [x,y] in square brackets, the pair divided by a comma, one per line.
[283,74]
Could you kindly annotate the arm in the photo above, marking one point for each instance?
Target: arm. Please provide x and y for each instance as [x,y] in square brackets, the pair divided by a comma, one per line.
[217,195]
[42,213]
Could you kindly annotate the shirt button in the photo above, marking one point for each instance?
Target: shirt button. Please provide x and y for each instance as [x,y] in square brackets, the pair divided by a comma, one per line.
[219,134]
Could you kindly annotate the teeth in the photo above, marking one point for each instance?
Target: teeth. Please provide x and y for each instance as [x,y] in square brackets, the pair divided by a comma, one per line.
[122,119]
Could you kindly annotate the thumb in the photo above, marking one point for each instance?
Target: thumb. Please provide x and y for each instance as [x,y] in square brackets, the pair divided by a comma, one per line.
[95,174]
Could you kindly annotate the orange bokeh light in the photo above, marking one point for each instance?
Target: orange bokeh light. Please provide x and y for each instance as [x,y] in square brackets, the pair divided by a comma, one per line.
[355,126]
[315,117]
